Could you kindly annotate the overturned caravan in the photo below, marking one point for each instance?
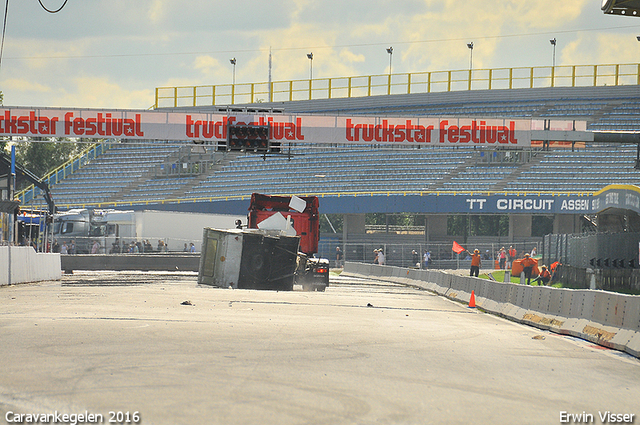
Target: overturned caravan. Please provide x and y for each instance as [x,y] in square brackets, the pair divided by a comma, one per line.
[248,259]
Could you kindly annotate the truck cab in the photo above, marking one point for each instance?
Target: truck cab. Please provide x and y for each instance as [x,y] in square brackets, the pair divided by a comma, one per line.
[85,226]
[296,216]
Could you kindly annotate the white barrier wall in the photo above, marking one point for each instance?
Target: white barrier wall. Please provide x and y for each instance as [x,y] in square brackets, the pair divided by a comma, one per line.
[27,265]
[606,318]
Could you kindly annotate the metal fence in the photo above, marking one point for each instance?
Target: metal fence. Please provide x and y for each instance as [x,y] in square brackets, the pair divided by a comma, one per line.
[597,251]
[401,255]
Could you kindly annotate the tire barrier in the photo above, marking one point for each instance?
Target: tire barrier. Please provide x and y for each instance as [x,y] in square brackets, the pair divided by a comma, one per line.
[27,265]
[605,318]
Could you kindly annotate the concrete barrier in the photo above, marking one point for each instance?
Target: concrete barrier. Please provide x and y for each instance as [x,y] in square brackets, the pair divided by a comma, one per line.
[120,262]
[28,265]
[606,318]
[632,316]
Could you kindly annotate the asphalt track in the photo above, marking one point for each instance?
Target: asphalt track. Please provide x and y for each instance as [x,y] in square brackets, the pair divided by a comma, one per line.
[363,352]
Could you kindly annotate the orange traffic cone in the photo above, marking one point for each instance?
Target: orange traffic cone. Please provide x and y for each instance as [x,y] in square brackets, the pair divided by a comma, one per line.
[472,300]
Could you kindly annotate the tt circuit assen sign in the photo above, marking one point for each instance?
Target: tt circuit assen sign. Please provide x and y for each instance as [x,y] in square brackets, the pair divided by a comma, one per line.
[531,204]
[132,124]
[451,203]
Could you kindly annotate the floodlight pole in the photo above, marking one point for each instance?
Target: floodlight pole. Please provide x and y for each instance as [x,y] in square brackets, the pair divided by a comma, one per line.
[390,51]
[470,46]
[233,62]
[12,185]
[553,43]
[310,57]
[270,83]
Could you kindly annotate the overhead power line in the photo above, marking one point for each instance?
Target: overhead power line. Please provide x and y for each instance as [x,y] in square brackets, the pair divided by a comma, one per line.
[53,11]
[4,22]
[4,28]
[385,43]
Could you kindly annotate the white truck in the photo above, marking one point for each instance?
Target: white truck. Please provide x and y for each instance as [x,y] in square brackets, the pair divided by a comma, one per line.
[118,231]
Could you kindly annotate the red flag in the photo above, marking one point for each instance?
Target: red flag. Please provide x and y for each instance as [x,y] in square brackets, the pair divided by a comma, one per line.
[457,248]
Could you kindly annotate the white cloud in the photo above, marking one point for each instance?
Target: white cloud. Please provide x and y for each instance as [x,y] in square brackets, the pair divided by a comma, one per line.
[129,48]
[100,92]
[351,57]
[16,85]
[208,65]
[601,49]
[156,11]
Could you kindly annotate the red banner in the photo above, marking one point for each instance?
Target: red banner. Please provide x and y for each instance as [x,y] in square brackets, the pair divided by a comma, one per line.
[203,126]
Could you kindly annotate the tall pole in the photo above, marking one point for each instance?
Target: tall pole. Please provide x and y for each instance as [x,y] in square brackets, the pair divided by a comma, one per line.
[233,62]
[12,185]
[553,43]
[470,46]
[310,56]
[270,92]
[390,51]
[638,38]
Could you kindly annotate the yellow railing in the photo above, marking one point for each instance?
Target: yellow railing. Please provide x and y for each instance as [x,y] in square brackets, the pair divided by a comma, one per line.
[416,82]
[66,169]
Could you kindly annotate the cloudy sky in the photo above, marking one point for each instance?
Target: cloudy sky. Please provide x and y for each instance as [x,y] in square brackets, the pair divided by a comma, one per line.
[114,53]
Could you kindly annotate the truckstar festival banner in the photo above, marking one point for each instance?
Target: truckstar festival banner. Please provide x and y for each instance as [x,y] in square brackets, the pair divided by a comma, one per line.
[132,124]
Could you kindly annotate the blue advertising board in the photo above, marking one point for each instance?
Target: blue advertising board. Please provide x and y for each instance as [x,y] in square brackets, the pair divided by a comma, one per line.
[613,196]
[617,196]
[449,203]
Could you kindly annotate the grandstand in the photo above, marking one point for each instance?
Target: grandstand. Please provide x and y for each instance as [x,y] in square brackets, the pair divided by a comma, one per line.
[132,172]
[108,175]
[181,176]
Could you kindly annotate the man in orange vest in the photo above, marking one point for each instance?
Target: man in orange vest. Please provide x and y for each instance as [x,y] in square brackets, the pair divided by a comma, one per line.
[475,263]
[544,276]
[527,267]
[553,269]
[512,256]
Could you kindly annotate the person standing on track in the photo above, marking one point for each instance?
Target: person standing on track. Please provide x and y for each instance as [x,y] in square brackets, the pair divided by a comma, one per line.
[502,257]
[527,267]
[476,262]
[426,259]
[381,258]
[512,253]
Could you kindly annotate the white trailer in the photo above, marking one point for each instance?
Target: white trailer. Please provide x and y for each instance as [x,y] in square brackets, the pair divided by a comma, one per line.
[116,230]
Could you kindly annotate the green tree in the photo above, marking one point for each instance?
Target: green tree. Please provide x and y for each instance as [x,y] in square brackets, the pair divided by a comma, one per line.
[336,221]
[541,225]
[375,218]
[41,156]
[400,219]
[477,225]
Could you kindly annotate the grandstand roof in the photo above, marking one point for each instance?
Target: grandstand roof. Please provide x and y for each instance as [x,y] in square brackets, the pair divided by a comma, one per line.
[464,101]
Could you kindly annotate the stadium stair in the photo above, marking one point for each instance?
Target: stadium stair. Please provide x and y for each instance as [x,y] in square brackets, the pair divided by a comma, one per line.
[534,161]
[145,169]
[176,185]
[437,185]
[227,159]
